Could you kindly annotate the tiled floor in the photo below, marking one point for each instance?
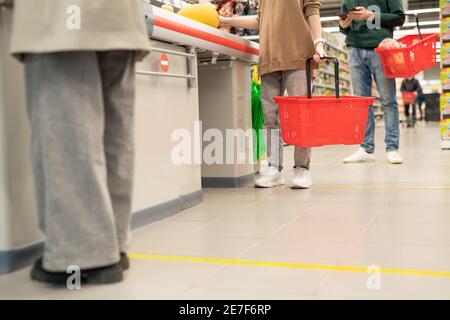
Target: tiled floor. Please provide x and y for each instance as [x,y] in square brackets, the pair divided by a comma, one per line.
[359,215]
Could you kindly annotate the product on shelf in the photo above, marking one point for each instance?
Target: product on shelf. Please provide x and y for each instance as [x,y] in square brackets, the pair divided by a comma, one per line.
[445,106]
[445,55]
[445,73]
[445,80]
[445,30]
[175,4]
[445,8]
[445,130]
[167,7]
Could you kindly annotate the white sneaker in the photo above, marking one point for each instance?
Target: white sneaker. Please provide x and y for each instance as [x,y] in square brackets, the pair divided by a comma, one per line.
[263,167]
[302,179]
[360,156]
[272,177]
[263,172]
[394,157]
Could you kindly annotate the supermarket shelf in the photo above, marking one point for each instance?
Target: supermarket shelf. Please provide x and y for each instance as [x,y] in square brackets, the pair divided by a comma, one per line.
[336,48]
[326,86]
[332,74]
[343,60]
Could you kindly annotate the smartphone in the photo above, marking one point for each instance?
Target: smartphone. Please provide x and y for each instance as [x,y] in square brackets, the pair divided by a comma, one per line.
[343,15]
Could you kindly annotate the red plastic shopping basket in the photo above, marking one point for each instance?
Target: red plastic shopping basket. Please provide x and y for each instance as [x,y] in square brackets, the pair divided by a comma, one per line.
[409,97]
[419,54]
[319,121]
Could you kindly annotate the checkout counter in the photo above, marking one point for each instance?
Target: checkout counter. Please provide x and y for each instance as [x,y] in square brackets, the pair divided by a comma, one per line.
[194,73]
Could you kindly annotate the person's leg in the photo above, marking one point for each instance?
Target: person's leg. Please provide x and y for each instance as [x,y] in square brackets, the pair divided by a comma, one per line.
[295,83]
[67,120]
[117,70]
[388,93]
[362,86]
[407,110]
[271,86]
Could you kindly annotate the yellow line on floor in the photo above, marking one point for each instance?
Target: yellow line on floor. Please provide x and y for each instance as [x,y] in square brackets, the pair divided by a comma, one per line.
[287,265]
[386,187]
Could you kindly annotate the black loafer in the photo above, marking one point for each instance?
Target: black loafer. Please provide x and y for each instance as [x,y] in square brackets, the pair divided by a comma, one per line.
[38,273]
[124,261]
[102,275]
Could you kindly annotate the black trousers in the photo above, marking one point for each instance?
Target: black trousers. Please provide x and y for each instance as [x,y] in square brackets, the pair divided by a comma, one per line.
[407,111]
[414,113]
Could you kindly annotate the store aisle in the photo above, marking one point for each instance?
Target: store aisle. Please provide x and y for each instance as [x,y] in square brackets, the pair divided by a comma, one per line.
[284,244]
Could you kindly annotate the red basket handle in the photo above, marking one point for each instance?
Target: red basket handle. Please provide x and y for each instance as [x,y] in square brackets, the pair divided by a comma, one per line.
[417,22]
[336,75]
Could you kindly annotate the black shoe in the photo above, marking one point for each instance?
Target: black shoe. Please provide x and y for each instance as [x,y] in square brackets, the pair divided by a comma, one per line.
[124,261]
[102,275]
[38,273]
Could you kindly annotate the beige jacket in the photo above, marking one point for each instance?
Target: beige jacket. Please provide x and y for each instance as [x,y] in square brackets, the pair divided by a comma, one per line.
[285,37]
[44,26]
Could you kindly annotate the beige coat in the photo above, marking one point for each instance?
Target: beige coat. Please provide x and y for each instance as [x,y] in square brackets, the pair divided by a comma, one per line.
[43,26]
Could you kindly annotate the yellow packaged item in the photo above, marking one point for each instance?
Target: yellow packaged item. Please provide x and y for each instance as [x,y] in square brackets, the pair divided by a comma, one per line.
[204,13]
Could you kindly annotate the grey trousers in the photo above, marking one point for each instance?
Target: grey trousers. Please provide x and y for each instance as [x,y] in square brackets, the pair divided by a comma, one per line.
[274,84]
[81,110]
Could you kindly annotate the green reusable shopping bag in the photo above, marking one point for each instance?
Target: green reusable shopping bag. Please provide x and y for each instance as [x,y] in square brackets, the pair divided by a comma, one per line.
[259,145]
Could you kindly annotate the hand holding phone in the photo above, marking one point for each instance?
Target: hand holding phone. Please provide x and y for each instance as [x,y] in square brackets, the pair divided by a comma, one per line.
[360,14]
[344,15]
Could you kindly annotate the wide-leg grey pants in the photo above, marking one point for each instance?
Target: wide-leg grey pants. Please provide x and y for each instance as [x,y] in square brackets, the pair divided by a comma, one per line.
[274,84]
[81,109]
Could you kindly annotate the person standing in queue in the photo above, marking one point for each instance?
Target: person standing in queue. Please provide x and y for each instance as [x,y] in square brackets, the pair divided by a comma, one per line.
[362,37]
[290,33]
[79,59]
[411,85]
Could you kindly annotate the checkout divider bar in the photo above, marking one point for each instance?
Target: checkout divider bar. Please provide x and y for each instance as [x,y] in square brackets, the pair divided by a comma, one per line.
[175,53]
[164,74]
[190,55]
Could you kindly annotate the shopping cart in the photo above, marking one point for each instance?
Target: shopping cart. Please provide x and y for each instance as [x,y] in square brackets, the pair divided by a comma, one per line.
[325,120]
[419,54]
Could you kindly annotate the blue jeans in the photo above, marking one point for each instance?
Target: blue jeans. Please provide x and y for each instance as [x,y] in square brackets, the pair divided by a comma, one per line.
[365,64]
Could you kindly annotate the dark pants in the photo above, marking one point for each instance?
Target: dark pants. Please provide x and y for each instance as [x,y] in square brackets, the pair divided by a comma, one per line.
[407,110]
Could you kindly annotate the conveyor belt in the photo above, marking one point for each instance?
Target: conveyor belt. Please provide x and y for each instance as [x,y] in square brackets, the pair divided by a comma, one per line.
[170,27]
